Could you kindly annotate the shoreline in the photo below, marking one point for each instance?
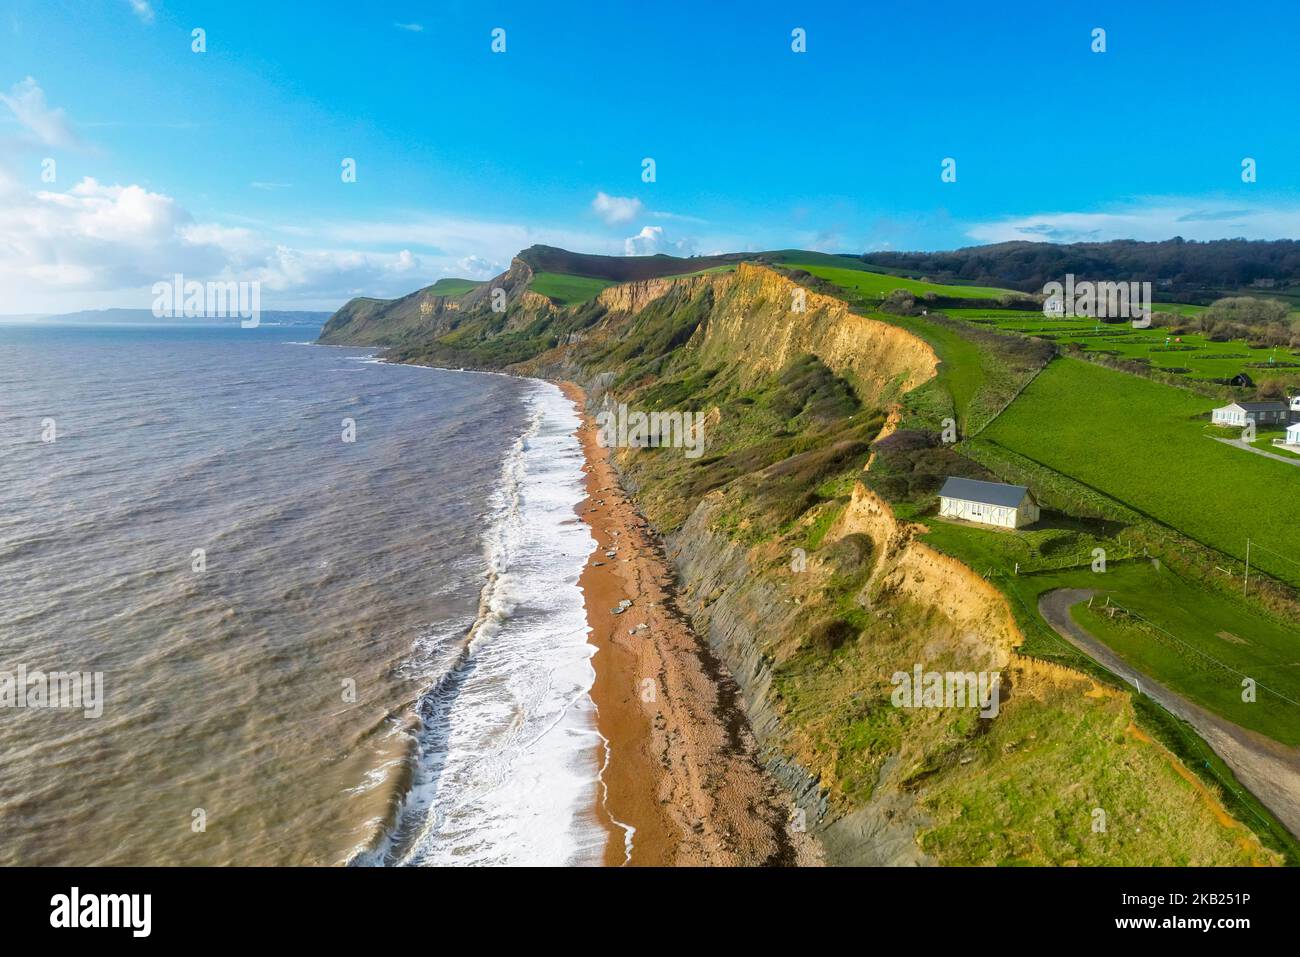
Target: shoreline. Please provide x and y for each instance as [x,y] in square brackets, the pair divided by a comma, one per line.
[680,763]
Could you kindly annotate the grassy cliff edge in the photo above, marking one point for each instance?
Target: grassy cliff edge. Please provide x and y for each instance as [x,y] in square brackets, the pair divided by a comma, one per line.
[811,587]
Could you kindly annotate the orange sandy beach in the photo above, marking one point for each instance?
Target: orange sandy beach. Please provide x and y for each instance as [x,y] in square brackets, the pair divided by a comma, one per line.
[682,766]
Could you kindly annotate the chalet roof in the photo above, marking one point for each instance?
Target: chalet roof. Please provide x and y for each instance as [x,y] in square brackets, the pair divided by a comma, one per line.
[1259,406]
[987,493]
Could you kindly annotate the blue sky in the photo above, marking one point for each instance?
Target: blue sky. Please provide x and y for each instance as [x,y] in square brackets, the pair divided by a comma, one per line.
[226,164]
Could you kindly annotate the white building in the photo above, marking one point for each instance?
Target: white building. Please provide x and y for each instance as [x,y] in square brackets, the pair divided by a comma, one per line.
[1292,439]
[1261,413]
[989,503]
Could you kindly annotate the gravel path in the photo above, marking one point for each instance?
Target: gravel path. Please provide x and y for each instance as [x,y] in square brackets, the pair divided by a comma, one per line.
[1250,448]
[1268,769]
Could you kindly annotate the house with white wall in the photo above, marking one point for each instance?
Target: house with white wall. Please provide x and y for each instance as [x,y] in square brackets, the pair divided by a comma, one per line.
[1261,413]
[988,503]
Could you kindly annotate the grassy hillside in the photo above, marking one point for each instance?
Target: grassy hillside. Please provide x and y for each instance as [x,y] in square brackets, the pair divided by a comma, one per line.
[1145,444]
[980,372]
[780,470]
[550,259]
[567,290]
[448,286]
[873,285]
[786,452]
[1201,644]
[1198,640]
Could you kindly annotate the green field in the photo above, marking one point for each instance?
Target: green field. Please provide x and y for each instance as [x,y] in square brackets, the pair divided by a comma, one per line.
[1182,308]
[1265,444]
[1055,541]
[1189,354]
[453,287]
[567,290]
[1143,444]
[1197,641]
[977,374]
[962,371]
[874,285]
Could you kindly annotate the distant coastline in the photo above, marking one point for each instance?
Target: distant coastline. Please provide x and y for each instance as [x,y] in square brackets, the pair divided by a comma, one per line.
[270,317]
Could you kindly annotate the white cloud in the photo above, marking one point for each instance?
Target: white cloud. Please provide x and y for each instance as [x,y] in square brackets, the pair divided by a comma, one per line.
[1152,219]
[644,243]
[410,27]
[652,239]
[476,267]
[95,237]
[98,245]
[616,209]
[49,127]
[142,9]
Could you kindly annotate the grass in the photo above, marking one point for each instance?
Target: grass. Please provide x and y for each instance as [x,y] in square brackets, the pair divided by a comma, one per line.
[777,476]
[453,287]
[978,372]
[1055,541]
[1179,308]
[963,370]
[1143,444]
[1264,443]
[874,285]
[712,270]
[1195,613]
[1198,641]
[1017,790]
[567,290]
[1026,793]
[1189,354]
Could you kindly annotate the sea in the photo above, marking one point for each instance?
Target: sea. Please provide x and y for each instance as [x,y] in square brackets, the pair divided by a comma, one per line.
[333,603]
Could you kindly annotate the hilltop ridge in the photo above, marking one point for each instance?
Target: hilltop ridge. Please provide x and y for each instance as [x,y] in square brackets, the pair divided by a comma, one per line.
[822,414]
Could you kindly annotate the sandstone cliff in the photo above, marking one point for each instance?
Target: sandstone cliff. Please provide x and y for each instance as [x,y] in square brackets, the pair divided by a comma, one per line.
[806,384]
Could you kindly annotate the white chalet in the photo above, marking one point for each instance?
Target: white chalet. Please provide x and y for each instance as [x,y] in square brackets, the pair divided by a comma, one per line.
[1261,413]
[989,503]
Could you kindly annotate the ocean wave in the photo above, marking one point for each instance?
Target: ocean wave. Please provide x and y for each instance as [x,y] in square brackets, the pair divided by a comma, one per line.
[507,756]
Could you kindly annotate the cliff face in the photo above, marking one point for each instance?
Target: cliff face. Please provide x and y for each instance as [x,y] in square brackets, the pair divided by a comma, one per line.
[764,320]
[912,570]
[424,315]
[807,586]
[925,607]
[629,298]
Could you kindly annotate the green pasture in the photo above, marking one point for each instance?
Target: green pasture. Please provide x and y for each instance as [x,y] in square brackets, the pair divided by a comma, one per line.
[1145,444]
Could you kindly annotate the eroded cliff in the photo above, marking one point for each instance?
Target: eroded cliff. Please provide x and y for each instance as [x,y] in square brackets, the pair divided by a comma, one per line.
[817,597]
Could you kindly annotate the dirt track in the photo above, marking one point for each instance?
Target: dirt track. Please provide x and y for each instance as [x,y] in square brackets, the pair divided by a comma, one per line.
[1268,769]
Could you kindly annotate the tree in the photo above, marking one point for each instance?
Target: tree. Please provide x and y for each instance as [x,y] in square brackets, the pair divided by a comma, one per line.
[1248,311]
